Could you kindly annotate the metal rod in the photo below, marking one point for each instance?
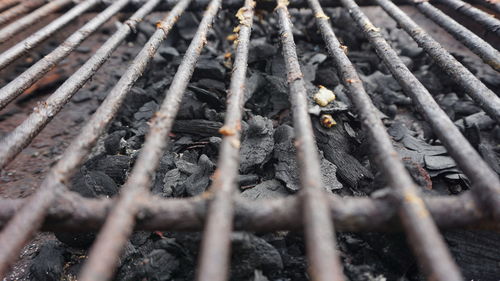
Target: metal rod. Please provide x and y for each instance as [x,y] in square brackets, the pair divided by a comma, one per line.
[106,250]
[489,21]
[18,10]
[36,38]
[483,96]
[5,4]
[12,29]
[486,185]
[425,239]
[216,244]
[324,263]
[73,213]
[22,82]
[477,45]
[28,219]
[489,4]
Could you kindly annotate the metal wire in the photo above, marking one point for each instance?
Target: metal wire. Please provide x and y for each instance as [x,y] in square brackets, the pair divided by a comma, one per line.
[30,217]
[73,213]
[18,10]
[424,236]
[477,45]
[12,29]
[22,82]
[36,38]
[483,96]
[324,263]
[486,185]
[105,251]
[5,4]
[216,244]
[486,20]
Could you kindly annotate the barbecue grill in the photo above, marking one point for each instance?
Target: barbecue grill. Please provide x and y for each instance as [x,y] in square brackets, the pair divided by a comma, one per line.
[219,211]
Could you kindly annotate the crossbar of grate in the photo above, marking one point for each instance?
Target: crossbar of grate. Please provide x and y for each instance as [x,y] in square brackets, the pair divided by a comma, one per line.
[5,4]
[486,185]
[18,10]
[488,21]
[324,263]
[22,82]
[425,239]
[483,96]
[475,43]
[216,244]
[25,223]
[36,38]
[73,213]
[12,29]
[105,251]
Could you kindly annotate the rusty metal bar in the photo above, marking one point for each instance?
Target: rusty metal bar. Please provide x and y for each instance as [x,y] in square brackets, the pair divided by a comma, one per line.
[425,239]
[18,10]
[216,244]
[28,219]
[12,29]
[486,185]
[106,250]
[36,38]
[488,21]
[324,263]
[5,4]
[493,5]
[477,45]
[22,82]
[73,213]
[483,96]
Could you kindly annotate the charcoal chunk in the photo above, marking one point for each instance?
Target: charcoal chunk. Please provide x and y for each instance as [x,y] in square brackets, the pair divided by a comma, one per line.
[266,190]
[209,68]
[159,265]
[257,144]
[112,142]
[115,166]
[92,184]
[48,263]
[198,182]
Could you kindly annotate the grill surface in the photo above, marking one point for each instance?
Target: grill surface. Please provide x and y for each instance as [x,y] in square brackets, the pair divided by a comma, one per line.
[53,208]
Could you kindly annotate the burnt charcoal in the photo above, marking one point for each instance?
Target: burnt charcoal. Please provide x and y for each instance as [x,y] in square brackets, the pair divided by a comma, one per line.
[209,68]
[48,263]
[197,127]
[198,182]
[327,76]
[159,265]
[257,143]
[168,52]
[212,85]
[336,146]
[115,166]
[259,276]
[261,50]
[186,163]
[146,28]
[480,119]
[207,96]
[173,183]
[112,144]
[490,156]
[92,184]
[254,83]
[276,66]
[146,111]
[476,253]
[438,162]
[191,107]
[82,96]
[401,133]
[81,240]
[266,190]
[187,25]
[251,252]
[248,180]
[287,169]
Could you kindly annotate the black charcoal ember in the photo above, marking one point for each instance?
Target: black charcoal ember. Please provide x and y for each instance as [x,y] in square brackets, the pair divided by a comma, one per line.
[198,182]
[187,26]
[113,142]
[199,127]
[207,96]
[250,253]
[261,50]
[257,144]
[248,180]
[173,183]
[480,119]
[259,276]
[439,162]
[338,149]
[146,111]
[209,68]
[168,52]
[115,166]
[402,134]
[287,169]
[212,85]
[490,156]
[276,66]
[83,95]
[186,163]
[269,189]
[327,76]
[158,265]
[191,107]
[92,184]
[48,264]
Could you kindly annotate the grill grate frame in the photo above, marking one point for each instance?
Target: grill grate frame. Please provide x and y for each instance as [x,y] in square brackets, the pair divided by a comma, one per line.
[221,212]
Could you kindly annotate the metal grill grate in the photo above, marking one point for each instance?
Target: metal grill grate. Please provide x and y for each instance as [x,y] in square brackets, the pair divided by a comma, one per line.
[52,208]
